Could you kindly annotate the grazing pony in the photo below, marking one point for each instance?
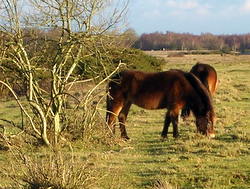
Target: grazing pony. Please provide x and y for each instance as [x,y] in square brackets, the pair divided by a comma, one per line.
[208,76]
[171,89]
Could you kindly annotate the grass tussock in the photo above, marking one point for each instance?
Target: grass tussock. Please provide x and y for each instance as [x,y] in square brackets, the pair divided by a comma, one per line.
[53,170]
[163,184]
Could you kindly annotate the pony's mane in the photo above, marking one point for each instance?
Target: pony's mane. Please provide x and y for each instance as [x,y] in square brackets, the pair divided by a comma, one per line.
[201,91]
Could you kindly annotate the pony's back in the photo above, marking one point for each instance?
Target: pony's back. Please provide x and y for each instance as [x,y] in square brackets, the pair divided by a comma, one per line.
[207,75]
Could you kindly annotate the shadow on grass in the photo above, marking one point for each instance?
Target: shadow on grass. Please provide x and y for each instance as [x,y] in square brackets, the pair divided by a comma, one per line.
[147,180]
[158,146]
[232,138]
[155,151]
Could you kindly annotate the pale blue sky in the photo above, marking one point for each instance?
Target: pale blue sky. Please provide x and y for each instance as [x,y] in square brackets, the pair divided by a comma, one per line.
[193,16]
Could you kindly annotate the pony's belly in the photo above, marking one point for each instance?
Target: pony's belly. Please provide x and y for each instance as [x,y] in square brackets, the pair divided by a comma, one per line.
[149,101]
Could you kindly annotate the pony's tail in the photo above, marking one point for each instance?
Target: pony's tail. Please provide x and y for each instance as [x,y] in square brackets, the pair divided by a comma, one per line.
[108,99]
[109,91]
[201,91]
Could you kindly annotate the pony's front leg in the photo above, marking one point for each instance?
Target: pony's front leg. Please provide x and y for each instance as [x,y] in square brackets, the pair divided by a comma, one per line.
[122,118]
[166,125]
[112,115]
[110,119]
[123,130]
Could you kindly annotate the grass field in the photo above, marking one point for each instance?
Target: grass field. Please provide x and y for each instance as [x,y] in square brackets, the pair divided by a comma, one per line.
[192,160]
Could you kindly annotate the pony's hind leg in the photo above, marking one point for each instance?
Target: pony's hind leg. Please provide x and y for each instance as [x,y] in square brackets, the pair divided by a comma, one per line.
[174,120]
[166,125]
[122,118]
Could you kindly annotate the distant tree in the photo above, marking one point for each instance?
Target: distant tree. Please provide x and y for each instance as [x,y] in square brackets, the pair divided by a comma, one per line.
[128,38]
[210,41]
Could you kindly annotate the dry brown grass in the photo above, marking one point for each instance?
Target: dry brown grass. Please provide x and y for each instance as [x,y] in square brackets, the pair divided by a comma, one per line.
[52,170]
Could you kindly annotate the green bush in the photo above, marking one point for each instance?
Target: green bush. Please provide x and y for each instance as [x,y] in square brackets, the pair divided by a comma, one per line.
[133,58]
[136,59]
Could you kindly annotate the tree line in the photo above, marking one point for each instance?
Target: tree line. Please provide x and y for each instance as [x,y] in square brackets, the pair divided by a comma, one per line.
[187,41]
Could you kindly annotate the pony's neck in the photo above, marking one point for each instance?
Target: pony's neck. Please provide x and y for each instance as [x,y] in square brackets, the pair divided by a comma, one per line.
[200,109]
[200,100]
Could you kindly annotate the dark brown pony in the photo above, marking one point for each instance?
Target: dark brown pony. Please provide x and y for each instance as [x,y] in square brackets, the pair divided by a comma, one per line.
[171,90]
[208,76]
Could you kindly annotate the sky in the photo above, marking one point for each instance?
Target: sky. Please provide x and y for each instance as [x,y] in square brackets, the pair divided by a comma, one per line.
[190,16]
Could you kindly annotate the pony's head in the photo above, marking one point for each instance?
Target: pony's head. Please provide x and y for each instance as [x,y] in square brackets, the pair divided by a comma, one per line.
[205,125]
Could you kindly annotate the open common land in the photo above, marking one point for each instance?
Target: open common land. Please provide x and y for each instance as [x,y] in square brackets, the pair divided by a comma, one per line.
[191,161]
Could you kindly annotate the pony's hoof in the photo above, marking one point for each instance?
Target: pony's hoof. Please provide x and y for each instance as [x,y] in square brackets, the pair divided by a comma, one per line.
[164,137]
[176,135]
[126,138]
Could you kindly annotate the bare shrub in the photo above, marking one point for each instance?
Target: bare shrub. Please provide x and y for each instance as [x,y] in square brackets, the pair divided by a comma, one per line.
[81,29]
[87,119]
[89,124]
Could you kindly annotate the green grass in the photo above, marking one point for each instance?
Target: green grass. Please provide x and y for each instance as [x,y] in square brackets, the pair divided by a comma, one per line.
[192,161]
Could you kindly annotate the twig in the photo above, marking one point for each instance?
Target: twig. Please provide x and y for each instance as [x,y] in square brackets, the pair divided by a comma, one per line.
[21,107]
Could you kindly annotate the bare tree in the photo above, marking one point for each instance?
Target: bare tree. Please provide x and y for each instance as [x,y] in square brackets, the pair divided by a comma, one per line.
[83,27]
